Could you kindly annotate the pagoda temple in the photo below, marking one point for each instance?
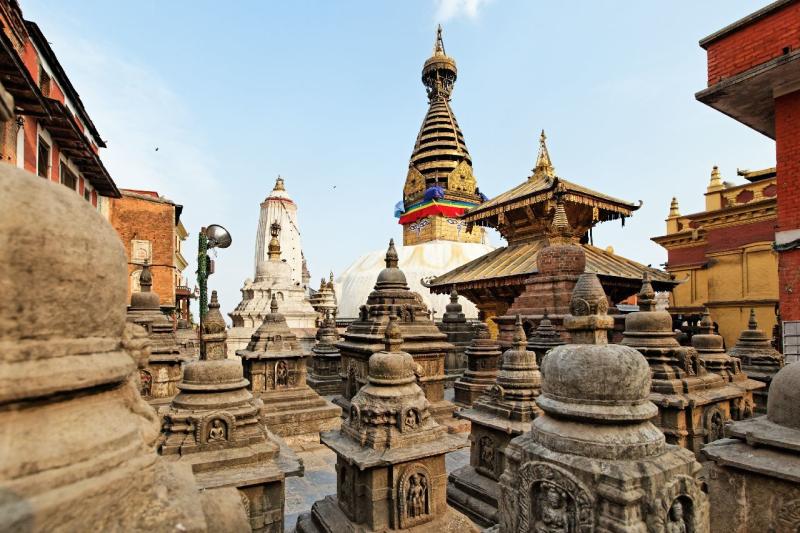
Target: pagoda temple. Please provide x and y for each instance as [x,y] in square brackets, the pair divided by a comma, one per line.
[280,270]
[543,211]
[439,187]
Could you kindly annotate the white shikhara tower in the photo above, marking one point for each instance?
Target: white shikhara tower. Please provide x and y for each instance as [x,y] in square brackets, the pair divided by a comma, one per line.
[279,271]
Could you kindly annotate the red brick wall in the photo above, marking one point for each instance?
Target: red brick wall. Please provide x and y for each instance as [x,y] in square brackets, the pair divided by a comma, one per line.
[735,236]
[134,218]
[787,152]
[686,256]
[754,44]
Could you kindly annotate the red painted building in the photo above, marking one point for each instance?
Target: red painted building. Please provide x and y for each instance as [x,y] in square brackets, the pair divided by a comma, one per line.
[52,136]
[754,77]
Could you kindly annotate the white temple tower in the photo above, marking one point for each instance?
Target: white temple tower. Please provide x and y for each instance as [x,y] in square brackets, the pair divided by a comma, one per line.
[279,271]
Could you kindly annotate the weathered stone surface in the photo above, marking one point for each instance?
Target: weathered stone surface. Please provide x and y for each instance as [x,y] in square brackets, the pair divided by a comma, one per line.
[390,456]
[593,461]
[423,340]
[162,373]
[275,367]
[754,474]
[215,425]
[77,450]
[693,403]
[481,372]
[502,413]
[459,334]
[323,376]
[760,360]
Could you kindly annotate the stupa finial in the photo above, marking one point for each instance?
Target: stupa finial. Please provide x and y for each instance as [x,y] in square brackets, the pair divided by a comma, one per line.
[520,340]
[454,296]
[393,337]
[146,277]
[274,248]
[752,324]
[544,166]
[438,46]
[674,211]
[716,180]
[392,258]
[560,226]
[647,296]
[279,184]
[273,304]
[706,325]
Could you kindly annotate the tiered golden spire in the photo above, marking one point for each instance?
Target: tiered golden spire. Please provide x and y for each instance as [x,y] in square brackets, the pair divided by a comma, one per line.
[673,208]
[544,167]
[274,248]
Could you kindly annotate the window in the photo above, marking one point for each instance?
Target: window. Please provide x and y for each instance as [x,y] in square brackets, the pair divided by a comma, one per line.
[44,81]
[86,194]
[68,179]
[791,340]
[43,160]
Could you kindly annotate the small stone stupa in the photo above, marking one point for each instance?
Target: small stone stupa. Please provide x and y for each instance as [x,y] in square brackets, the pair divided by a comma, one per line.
[276,368]
[459,334]
[324,300]
[279,271]
[323,376]
[498,416]
[594,461]
[482,356]
[760,360]
[754,474]
[78,441]
[364,337]
[159,379]
[215,425]
[544,338]
[390,452]
[694,404]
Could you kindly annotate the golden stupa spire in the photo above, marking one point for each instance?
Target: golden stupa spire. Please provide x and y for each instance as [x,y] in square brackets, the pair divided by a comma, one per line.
[716,180]
[674,211]
[544,167]
[438,46]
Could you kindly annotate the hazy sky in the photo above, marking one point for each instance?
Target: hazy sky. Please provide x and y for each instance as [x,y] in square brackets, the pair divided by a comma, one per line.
[328,94]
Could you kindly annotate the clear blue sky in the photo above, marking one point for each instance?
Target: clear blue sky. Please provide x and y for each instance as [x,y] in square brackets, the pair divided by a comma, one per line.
[328,93]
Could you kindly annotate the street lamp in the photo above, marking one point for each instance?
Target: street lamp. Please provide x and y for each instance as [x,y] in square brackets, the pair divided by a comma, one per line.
[214,236]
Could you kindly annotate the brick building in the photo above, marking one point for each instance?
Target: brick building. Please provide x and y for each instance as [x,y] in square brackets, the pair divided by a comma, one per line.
[52,135]
[723,255]
[150,228]
[754,77]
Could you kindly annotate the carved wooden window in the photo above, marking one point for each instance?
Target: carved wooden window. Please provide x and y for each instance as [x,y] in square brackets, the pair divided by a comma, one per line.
[43,159]
[68,178]
[791,340]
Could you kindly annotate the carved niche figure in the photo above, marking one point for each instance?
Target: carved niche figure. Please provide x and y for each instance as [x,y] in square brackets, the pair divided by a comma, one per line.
[355,416]
[145,383]
[553,514]
[715,425]
[281,374]
[363,313]
[417,496]
[218,431]
[410,420]
[486,453]
[676,522]
[352,381]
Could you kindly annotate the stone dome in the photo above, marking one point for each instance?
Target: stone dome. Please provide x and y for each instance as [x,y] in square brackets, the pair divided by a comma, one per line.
[783,403]
[707,340]
[648,327]
[392,366]
[599,382]
[217,372]
[391,276]
[82,292]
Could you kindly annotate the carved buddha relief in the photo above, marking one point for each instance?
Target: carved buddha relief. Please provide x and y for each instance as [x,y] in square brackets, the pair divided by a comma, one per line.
[218,431]
[486,453]
[281,374]
[414,498]
[410,420]
[715,424]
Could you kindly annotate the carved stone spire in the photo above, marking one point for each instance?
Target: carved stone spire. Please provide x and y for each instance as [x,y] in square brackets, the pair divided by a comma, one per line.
[560,229]
[273,304]
[544,167]
[647,296]
[716,180]
[145,299]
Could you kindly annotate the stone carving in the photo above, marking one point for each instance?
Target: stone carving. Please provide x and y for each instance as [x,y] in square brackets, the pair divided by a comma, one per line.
[459,334]
[715,424]
[676,522]
[788,518]
[551,514]
[218,432]
[557,500]
[145,383]
[759,359]
[486,453]
[482,355]
[281,374]
[323,376]
[410,420]
[414,502]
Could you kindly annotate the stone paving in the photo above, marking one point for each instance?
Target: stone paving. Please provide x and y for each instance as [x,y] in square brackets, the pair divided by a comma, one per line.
[320,478]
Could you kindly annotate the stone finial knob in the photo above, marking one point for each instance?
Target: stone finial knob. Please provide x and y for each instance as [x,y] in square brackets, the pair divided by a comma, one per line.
[392,258]
[273,304]
[393,337]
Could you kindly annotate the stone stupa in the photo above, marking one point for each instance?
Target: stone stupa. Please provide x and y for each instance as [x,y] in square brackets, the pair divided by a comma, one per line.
[215,425]
[693,403]
[390,452]
[324,300]
[459,333]
[501,414]
[594,461]
[159,379]
[279,271]
[544,338]
[323,375]
[754,474]
[364,337]
[78,440]
[760,360]
[482,356]
[275,366]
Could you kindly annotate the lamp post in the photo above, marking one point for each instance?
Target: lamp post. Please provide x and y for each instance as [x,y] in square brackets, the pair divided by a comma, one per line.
[214,236]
